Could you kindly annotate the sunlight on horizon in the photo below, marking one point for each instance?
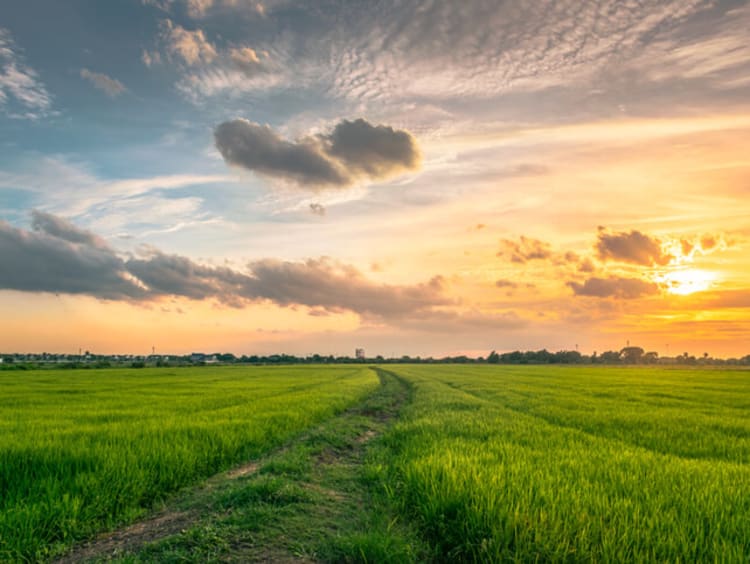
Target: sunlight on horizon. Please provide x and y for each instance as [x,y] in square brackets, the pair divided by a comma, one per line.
[688,281]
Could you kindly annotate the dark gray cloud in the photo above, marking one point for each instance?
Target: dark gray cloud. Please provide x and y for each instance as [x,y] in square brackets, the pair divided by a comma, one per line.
[614,287]
[62,229]
[632,247]
[175,275]
[374,151]
[59,257]
[353,151]
[257,147]
[335,286]
[525,249]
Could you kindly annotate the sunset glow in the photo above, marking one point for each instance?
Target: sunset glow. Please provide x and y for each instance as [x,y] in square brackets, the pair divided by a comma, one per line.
[319,177]
[688,281]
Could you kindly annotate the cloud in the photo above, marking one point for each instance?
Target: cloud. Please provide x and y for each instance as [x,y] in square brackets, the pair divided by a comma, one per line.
[708,242]
[112,87]
[22,94]
[335,286]
[353,151]
[200,8]
[484,50]
[59,228]
[705,244]
[506,284]
[190,46]
[150,58]
[633,247]
[207,69]
[257,147]
[226,78]
[726,299]
[317,209]
[686,247]
[56,256]
[614,287]
[720,57]
[68,188]
[246,59]
[376,151]
[489,48]
[451,322]
[525,249]
[163,5]
[173,275]
[586,265]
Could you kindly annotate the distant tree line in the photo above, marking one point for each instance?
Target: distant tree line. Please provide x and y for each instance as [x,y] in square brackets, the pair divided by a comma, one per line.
[628,355]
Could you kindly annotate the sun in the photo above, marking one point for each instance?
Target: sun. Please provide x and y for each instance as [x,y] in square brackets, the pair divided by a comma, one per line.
[688,281]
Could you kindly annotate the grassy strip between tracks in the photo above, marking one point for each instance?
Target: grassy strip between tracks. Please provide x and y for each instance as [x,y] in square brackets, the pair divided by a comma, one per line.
[86,451]
[318,498]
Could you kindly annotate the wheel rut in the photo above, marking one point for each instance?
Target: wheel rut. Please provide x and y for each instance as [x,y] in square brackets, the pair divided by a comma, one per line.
[302,493]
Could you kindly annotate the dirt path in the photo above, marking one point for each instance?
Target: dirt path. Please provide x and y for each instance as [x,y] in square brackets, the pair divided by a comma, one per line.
[284,507]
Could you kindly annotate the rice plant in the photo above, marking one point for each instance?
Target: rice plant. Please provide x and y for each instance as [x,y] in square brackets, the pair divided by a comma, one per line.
[567,465]
[82,451]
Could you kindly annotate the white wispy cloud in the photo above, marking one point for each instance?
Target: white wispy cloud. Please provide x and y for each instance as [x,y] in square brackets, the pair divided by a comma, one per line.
[201,8]
[70,189]
[222,80]
[190,47]
[209,69]
[483,49]
[721,58]
[110,86]
[22,93]
[150,58]
[364,54]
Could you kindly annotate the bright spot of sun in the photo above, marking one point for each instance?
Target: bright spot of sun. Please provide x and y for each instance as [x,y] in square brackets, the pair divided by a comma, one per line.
[687,281]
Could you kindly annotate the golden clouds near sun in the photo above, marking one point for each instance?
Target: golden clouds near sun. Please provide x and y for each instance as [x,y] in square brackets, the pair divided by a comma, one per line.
[687,281]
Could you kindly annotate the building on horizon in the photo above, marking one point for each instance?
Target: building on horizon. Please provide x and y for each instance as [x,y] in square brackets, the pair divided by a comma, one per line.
[359,354]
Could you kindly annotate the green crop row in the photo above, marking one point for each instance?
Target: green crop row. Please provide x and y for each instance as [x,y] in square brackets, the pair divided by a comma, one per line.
[518,464]
[82,451]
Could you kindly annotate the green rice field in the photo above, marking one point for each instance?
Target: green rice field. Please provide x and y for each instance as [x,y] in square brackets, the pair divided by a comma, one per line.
[482,463]
[570,464]
[82,451]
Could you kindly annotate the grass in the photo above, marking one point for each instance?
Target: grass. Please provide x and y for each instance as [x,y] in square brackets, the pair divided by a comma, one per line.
[567,465]
[83,451]
[312,500]
[434,463]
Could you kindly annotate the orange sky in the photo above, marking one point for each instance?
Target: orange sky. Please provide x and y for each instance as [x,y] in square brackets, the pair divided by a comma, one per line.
[428,195]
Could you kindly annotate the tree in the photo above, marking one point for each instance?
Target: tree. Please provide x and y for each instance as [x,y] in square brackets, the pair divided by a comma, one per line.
[493,358]
[632,355]
[609,357]
[650,357]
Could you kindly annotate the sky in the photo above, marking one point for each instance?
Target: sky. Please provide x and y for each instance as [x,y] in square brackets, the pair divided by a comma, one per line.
[426,178]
